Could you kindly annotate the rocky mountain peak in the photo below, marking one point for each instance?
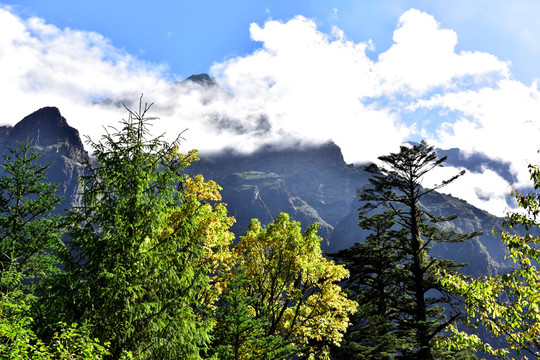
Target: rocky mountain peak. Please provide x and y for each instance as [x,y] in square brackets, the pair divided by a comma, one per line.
[202,79]
[46,127]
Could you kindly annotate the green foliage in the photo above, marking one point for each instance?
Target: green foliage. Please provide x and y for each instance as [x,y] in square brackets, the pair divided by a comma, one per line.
[377,268]
[18,340]
[392,275]
[144,242]
[28,231]
[239,334]
[507,305]
[282,297]
[28,235]
[16,336]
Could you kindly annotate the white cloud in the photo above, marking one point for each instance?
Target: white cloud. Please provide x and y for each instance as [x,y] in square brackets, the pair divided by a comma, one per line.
[502,122]
[311,85]
[423,57]
[301,85]
[42,65]
[486,190]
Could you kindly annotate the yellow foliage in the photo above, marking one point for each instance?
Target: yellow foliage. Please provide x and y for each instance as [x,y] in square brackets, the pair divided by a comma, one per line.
[202,190]
[209,227]
[294,283]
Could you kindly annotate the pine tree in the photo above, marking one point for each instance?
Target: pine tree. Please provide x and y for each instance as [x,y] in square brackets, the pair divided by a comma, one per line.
[419,309]
[29,238]
[377,268]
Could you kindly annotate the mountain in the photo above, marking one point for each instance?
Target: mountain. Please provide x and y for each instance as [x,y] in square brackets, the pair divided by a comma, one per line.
[312,184]
[201,79]
[315,184]
[59,144]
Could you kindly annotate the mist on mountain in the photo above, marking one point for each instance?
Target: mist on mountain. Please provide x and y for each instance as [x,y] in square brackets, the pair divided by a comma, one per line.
[311,183]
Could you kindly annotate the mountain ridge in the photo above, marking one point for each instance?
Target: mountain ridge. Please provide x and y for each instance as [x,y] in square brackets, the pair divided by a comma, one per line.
[311,183]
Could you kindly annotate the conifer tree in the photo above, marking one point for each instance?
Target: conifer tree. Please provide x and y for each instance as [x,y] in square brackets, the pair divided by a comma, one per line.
[29,237]
[377,268]
[28,230]
[144,244]
[414,301]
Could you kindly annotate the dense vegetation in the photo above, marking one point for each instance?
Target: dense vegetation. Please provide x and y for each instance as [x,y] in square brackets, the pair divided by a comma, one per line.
[507,305]
[146,267]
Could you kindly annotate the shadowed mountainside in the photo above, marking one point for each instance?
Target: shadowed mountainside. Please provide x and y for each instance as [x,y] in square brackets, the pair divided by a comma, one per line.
[59,143]
[315,184]
[312,184]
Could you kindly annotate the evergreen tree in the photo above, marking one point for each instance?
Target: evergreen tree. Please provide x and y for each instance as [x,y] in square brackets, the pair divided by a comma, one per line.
[144,244]
[239,332]
[417,307]
[28,230]
[377,268]
[29,237]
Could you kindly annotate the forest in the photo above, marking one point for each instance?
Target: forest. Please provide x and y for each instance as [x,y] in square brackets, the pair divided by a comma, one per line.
[146,267]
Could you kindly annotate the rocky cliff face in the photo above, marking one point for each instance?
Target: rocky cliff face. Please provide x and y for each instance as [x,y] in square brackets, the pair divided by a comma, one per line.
[264,195]
[60,145]
[312,184]
[46,127]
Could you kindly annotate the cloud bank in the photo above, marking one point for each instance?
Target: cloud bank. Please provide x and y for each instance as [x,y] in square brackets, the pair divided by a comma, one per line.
[302,86]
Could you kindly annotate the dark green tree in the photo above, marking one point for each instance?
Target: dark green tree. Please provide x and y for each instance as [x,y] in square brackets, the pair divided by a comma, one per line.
[239,332]
[418,307]
[144,242]
[29,233]
[29,237]
[377,268]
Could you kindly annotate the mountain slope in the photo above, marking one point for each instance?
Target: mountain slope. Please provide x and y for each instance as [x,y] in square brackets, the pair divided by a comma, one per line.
[312,184]
[273,179]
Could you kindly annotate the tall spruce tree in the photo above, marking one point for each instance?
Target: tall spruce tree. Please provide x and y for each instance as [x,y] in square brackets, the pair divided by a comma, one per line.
[417,308]
[144,244]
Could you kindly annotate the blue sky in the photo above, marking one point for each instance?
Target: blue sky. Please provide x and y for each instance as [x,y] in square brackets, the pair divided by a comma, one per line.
[191,35]
[367,75]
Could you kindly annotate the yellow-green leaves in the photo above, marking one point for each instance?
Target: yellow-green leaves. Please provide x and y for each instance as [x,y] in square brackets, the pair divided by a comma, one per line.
[294,287]
[507,305]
